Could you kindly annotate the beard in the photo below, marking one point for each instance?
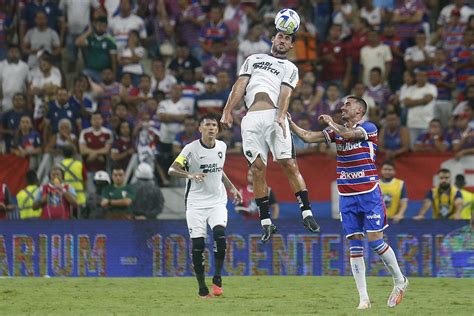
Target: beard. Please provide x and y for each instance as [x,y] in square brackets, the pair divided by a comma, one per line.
[280,50]
[444,186]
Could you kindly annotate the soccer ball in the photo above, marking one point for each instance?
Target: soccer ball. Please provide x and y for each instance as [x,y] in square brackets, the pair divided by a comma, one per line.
[287,21]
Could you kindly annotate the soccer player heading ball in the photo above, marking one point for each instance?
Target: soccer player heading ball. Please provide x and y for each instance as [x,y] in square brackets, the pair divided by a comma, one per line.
[267,81]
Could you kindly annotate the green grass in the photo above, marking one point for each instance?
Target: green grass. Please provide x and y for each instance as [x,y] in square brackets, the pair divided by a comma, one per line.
[242,296]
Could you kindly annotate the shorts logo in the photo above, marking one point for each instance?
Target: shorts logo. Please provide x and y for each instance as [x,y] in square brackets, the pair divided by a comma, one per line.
[219,154]
[375,216]
[248,153]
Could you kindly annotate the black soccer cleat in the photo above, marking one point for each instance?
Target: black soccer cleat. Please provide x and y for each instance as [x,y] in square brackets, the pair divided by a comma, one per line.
[310,224]
[268,231]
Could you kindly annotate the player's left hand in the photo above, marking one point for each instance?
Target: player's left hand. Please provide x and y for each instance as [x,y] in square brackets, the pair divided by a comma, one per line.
[325,118]
[281,120]
[237,196]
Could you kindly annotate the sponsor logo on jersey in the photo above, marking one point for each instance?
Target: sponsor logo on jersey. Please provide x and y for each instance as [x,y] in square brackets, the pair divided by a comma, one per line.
[352,175]
[348,146]
[265,65]
[210,168]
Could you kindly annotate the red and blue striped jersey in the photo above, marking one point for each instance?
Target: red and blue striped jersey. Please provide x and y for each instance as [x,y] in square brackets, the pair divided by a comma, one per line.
[356,170]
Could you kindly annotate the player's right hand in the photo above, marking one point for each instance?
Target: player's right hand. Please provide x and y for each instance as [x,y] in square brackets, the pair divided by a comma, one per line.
[226,119]
[198,176]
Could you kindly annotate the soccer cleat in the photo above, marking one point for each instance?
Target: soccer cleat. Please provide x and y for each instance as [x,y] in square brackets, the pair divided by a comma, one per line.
[364,305]
[310,224]
[397,294]
[268,231]
[204,293]
[217,286]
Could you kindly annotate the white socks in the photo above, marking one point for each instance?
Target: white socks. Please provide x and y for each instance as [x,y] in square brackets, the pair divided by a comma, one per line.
[358,271]
[266,221]
[306,213]
[391,263]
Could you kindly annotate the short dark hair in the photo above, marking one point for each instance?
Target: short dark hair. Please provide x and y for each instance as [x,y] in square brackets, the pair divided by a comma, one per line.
[376,69]
[388,163]
[359,101]
[101,19]
[444,170]
[211,117]
[68,151]
[435,120]
[293,36]
[31,177]
[97,113]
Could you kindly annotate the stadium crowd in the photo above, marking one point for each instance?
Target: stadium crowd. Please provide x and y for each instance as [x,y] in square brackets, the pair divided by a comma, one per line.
[87,85]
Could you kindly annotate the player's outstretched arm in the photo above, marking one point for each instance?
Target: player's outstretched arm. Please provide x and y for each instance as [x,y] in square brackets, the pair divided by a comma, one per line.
[344,132]
[231,187]
[236,95]
[306,136]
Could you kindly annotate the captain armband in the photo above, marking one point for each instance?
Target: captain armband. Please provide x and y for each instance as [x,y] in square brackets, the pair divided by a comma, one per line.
[181,160]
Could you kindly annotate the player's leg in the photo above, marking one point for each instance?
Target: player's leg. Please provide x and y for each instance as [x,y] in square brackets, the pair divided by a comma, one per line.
[375,222]
[217,221]
[281,145]
[196,220]
[297,184]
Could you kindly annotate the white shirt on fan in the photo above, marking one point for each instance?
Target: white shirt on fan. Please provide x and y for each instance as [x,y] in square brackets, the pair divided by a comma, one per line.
[267,74]
[421,115]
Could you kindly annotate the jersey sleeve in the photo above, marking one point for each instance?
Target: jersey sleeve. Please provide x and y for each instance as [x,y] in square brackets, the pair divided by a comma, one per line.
[184,156]
[291,76]
[429,195]
[247,67]
[369,129]
[404,194]
[458,195]
[329,135]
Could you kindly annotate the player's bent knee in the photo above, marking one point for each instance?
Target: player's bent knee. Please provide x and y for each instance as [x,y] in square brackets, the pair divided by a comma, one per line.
[356,237]
[198,249]
[374,236]
[198,244]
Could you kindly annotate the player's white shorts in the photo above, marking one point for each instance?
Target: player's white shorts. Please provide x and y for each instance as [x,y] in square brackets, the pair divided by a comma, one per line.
[260,132]
[198,218]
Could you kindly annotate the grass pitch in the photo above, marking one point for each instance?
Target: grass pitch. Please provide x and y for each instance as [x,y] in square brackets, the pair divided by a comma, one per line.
[242,296]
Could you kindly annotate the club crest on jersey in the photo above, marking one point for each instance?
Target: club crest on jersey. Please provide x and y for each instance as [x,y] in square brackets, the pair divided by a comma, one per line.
[265,65]
[248,153]
[219,154]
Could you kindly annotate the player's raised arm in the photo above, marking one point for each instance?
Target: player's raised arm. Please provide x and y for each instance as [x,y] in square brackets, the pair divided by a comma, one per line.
[236,95]
[231,187]
[306,136]
[351,133]
[177,170]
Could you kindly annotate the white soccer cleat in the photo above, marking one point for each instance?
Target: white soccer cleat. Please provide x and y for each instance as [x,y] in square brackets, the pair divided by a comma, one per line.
[364,304]
[397,294]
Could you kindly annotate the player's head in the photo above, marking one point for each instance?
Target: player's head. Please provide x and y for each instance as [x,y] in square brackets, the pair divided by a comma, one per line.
[354,108]
[209,126]
[388,170]
[282,43]
[444,177]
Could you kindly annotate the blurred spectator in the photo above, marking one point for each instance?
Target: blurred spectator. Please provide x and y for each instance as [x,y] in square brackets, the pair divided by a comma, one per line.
[216,31]
[433,140]
[336,59]
[211,101]
[118,197]
[77,16]
[81,99]
[220,60]
[304,54]
[469,101]
[189,21]
[463,140]
[446,13]
[74,175]
[186,136]
[149,200]
[27,142]
[391,39]
[98,48]
[8,208]
[342,14]
[321,17]
[372,14]
[161,80]
[6,25]
[252,44]
[122,112]
[445,199]
[63,138]
[372,113]
[13,76]
[55,198]
[94,145]
[420,102]
[467,197]
[375,55]
[421,54]
[123,147]
[183,60]
[358,39]
[232,140]
[442,75]
[301,147]
[191,88]
[110,94]
[44,81]
[408,17]
[26,197]
[223,82]
[93,209]
[450,36]
[28,13]
[394,139]
[463,59]
[11,119]
[378,90]
[331,102]
[132,56]
[127,89]
[40,39]
[59,109]
[248,208]
[235,17]
[394,192]
[122,24]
